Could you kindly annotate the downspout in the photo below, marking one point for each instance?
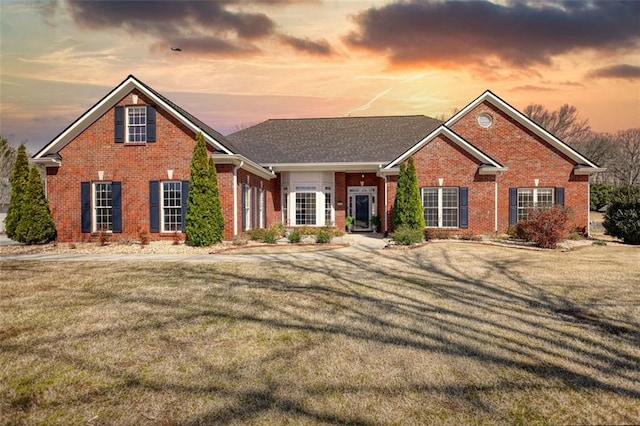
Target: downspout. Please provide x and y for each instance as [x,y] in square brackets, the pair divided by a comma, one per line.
[589,207]
[386,207]
[235,197]
[495,204]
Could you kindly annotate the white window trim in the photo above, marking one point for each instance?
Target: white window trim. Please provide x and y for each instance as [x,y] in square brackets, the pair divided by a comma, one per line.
[162,206]
[94,215]
[127,124]
[319,190]
[441,207]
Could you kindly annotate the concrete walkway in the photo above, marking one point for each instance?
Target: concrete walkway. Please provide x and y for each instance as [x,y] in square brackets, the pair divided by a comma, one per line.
[360,243]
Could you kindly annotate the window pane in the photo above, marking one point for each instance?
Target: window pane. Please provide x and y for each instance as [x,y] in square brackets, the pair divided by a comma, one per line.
[327,208]
[525,202]
[545,197]
[103,207]
[430,205]
[172,206]
[305,208]
[450,207]
[137,124]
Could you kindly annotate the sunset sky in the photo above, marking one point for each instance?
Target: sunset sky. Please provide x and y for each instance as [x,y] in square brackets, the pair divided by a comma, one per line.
[246,61]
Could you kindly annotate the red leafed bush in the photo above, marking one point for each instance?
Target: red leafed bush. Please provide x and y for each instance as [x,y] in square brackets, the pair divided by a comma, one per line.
[547,227]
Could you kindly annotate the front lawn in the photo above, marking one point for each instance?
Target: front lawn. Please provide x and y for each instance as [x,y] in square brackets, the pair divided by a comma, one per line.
[453,333]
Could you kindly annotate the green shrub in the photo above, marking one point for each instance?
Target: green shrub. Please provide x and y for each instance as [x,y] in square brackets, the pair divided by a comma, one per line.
[600,195]
[204,220]
[36,224]
[622,219]
[407,206]
[19,178]
[278,229]
[307,230]
[294,237]
[323,237]
[440,234]
[406,236]
[468,236]
[520,231]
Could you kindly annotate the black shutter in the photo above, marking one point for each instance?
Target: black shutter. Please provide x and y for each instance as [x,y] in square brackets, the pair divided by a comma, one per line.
[463,196]
[116,206]
[154,206]
[513,206]
[119,124]
[185,197]
[85,206]
[151,124]
[560,196]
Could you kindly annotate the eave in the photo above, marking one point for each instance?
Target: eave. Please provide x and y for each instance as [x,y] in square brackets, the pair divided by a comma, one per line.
[355,167]
[244,163]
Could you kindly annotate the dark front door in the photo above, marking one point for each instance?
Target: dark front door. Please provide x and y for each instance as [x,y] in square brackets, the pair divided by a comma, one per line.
[363,209]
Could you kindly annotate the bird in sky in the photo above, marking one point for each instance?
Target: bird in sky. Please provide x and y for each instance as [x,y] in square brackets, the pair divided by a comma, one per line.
[176,49]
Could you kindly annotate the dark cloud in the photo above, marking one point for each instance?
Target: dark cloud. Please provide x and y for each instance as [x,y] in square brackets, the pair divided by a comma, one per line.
[454,34]
[624,71]
[219,27]
[320,48]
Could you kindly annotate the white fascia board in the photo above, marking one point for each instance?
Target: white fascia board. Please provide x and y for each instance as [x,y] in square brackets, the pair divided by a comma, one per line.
[389,172]
[443,130]
[581,169]
[526,122]
[247,164]
[87,119]
[105,105]
[489,170]
[332,167]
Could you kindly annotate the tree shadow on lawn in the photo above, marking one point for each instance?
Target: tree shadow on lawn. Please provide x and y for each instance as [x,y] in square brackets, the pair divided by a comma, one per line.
[423,301]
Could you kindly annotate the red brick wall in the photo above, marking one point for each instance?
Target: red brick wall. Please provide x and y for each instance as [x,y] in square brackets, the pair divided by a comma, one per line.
[527,157]
[442,158]
[134,165]
[340,190]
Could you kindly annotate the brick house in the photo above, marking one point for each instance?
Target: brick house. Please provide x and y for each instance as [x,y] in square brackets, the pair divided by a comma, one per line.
[123,167]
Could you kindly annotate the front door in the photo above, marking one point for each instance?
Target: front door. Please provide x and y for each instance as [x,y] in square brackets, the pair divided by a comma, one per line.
[362,212]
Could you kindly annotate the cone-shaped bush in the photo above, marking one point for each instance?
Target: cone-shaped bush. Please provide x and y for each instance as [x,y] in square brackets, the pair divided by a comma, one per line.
[19,175]
[407,208]
[36,224]
[201,225]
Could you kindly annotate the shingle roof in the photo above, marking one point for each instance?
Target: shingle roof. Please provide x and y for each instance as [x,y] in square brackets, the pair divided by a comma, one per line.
[332,140]
[204,127]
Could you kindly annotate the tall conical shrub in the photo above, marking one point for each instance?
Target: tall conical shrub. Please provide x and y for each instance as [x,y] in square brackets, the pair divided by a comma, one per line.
[19,176]
[408,208]
[36,224]
[201,225]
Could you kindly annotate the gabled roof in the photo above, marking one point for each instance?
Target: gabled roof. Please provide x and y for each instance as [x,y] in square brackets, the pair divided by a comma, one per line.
[375,140]
[488,164]
[583,165]
[212,137]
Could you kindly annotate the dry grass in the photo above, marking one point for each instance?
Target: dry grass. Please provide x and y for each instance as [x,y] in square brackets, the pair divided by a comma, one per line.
[449,333]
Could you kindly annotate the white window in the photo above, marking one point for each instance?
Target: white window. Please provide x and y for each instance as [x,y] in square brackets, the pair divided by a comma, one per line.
[171,206]
[136,124]
[531,198]
[285,205]
[246,189]
[305,208]
[102,207]
[440,207]
[328,206]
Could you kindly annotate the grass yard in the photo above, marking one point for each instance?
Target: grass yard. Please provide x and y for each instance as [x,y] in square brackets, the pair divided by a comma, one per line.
[450,333]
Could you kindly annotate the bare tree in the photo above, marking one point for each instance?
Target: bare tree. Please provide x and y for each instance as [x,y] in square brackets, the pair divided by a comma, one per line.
[7,158]
[564,123]
[626,167]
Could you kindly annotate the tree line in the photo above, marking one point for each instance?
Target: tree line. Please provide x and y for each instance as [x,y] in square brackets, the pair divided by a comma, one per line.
[619,152]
